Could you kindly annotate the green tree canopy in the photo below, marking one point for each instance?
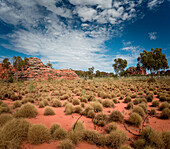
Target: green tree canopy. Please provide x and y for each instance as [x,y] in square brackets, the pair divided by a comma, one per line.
[49,64]
[119,65]
[153,60]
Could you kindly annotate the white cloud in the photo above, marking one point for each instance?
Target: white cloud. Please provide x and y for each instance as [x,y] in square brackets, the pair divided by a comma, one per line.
[154,3]
[152,35]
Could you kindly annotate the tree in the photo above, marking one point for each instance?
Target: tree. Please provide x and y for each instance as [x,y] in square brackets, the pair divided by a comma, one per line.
[6,65]
[119,65]
[153,60]
[49,64]
[91,70]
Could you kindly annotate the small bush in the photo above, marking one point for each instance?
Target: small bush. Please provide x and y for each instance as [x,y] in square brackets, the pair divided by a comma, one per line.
[16,104]
[90,114]
[165,113]
[41,104]
[54,127]
[27,111]
[38,134]
[116,138]
[13,133]
[78,109]
[4,108]
[153,112]
[125,147]
[164,105]
[56,103]
[97,107]
[162,98]
[143,106]
[127,99]
[4,118]
[66,144]
[69,109]
[135,119]
[129,105]
[76,101]
[116,116]
[100,119]
[149,97]
[59,134]
[111,127]
[155,103]
[45,101]
[139,143]
[165,138]
[108,103]
[91,136]
[49,111]
[139,110]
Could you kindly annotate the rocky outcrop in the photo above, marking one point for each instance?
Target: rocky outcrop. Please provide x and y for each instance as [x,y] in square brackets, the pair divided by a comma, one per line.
[136,71]
[36,70]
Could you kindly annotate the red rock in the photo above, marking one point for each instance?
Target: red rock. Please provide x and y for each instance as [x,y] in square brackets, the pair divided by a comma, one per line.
[136,71]
[37,70]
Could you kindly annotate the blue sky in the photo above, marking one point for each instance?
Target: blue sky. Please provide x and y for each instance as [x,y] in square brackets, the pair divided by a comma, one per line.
[79,34]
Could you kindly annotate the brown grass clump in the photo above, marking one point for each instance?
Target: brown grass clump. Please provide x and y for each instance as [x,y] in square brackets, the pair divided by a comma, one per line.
[59,134]
[76,101]
[108,103]
[125,147]
[116,138]
[143,106]
[129,105]
[164,105]
[13,133]
[41,104]
[152,137]
[100,119]
[149,97]
[153,112]
[91,136]
[135,119]
[127,99]
[54,127]
[165,138]
[111,127]
[49,111]
[16,104]
[4,118]
[165,113]
[66,144]
[139,110]
[116,116]
[155,103]
[139,143]
[162,98]
[4,108]
[78,109]
[38,134]
[97,107]
[69,109]
[27,111]
[56,103]
[90,114]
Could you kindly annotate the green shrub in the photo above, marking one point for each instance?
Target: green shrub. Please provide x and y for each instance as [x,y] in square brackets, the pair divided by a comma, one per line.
[91,136]
[164,105]
[129,105]
[76,101]
[66,144]
[135,119]
[108,103]
[116,138]
[155,103]
[56,103]
[59,134]
[90,114]
[165,113]
[27,111]
[100,119]
[69,109]
[54,127]
[111,127]
[4,118]
[127,99]
[13,133]
[38,134]
[139,110]
[41,104]
[16,104]
[49,111]
[152,137]
[165,138]
[116,116]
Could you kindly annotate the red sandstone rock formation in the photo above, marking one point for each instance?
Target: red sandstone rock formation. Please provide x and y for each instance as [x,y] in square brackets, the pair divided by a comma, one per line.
[37,70]
[136,71]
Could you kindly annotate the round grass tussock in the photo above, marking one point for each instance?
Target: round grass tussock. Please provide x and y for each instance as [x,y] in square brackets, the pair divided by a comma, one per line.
[108,103]
[59,134]
[49,111]
[56,103]
[165,114]
[155,103]
[139,143]
[4,108]
[116,116]
[164,105]
[125,147]
[111,127]
[139,110]
[129,105]
[78,109]
[54,127]
[66,144]
[90,114]
[27,110]
[91,136]
[166,139]
[127,99]
[41,104]
[135,119]
[76,101]
[153,112]
[13,133]
[16,104]
[69,109]
[4,118]
[100,119]
[38,134]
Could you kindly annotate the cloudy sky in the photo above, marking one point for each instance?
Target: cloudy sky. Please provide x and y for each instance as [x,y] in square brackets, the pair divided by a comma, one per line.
[79,34]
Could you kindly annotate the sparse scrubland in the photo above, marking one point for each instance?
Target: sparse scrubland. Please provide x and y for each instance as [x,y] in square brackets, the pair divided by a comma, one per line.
[120,113]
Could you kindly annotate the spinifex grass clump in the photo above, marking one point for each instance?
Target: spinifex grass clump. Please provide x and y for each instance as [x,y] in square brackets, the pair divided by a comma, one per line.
[56,103]
[165,138]
[38,134]
[66,144]
[49,111]
[116,116]
[16,104]
[111,127]
[155,103]
[139,110]
[54,127]
[165,113]
[91,136]
[69,109]
[90,114]
[129,105]
[125,147]
[164,105]
[108,103]
[41,104]
[27,111]
[59,134]
[135,119]
[100,119]
[13,133]
[4,108]
[4,118]
[127,99]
